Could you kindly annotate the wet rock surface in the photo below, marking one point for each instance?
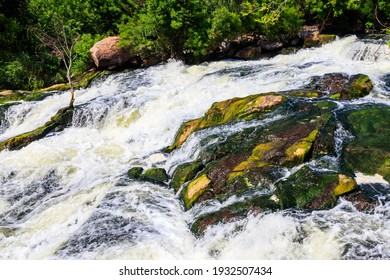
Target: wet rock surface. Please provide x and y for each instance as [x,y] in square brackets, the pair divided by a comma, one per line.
[283,159]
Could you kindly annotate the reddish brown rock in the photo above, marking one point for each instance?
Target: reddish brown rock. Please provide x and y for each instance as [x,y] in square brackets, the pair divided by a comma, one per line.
[107,53]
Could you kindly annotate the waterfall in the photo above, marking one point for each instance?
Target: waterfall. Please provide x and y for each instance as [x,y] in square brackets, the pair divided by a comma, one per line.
[67,195]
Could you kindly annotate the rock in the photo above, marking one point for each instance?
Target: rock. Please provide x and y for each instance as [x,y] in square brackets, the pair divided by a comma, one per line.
[340,86]
[184,173]
[155,175]
[58,122]
[233,212]
[248,53]
[312,38]
[253,159]
[107,53]
[271,45]
[250,107]
[14,96]
[157,158]
[368,196]
[310,189]
[195,189]
[135,172]
[369,151]
[308,31]
[318,40]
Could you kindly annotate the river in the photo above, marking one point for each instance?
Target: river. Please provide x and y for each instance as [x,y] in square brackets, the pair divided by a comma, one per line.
[67,196]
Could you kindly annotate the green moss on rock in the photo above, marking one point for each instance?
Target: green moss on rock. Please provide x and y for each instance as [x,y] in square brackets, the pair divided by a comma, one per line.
[183,173]
[319,40]
[58,122]
[310,189]
[247,108]
[195,189]
[15,96]
[233,212]
[135,172]
[155,175]
[369,151]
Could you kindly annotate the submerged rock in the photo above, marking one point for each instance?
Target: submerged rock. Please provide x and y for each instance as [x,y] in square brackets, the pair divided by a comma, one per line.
[57,123]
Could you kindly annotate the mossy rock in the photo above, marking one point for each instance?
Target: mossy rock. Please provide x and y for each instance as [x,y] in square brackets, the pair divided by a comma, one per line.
[58,122]
[310,189]
[238,210]
[185,172]
[228,111]
[155,175]
[369,151]
[15,96]
[81,81]
[305,93]
[135,172]
[340,85]
[253,159]
[319,40]
[194,190]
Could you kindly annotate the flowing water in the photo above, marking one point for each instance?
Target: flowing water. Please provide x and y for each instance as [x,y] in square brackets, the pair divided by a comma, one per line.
[67,196]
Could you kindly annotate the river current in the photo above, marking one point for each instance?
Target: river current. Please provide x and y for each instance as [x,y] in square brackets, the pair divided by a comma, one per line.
[67,196]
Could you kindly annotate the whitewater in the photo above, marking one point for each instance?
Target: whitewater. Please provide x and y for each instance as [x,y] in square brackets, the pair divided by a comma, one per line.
[67,196]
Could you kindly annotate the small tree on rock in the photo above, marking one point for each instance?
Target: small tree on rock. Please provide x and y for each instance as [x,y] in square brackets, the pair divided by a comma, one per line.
[61,40]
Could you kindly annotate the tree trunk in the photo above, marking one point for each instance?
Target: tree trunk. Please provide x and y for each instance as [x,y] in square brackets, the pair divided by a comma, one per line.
[71,88]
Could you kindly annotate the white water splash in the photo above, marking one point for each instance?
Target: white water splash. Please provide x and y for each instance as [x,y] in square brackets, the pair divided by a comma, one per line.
[65,196]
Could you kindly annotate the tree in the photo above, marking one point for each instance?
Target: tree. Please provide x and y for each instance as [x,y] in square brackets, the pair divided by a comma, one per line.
[61,40]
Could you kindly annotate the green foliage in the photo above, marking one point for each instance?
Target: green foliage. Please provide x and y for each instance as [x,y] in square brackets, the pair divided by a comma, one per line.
[81,49]
[183,29]
[273,17]
[224,24]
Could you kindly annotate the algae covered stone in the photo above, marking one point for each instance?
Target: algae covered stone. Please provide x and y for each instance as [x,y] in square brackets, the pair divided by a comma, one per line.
[231,110]
[369,151]
[135,172]
[58,122]
[155,175]
[185,172]
[195,189]
[311,189]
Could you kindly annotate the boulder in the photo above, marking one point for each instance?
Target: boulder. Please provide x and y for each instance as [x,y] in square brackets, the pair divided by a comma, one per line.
[135,172]
[252,159]
[312,38]
[248,53]
[271,45]
[340,85]
[155,175]
[108,54]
